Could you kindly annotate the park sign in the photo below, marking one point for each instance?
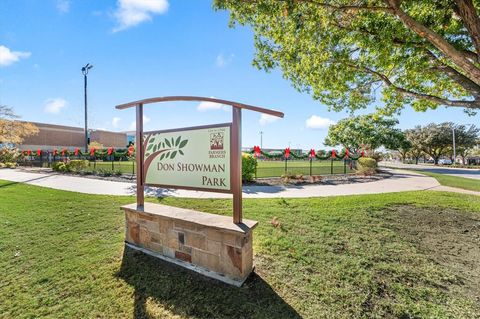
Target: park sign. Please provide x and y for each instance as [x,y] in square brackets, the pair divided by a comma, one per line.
[189,158]
[204,158]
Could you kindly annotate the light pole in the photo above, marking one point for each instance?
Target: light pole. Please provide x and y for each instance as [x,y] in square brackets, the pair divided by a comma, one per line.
[85,70]
[261,140]
[454,150]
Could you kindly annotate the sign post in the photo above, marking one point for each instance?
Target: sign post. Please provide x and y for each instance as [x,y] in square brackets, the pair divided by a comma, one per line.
[204,158]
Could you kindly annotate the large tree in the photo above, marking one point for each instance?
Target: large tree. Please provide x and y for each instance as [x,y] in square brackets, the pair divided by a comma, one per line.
[12,131]
[465,139]
[422,53]
[415,137]
[367,132]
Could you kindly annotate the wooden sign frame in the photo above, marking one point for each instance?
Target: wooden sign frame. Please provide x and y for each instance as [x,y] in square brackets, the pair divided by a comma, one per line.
[235,154]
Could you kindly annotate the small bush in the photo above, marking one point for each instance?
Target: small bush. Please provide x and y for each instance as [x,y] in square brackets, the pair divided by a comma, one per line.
[249,165]
[10,165]
[2,165]
[367,166]
[59,167]
[8,155]
[104,172]
[77,165]
[117,172]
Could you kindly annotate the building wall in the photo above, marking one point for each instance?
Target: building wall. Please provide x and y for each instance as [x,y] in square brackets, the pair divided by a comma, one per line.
[58,136]
[50,136]
[109,139]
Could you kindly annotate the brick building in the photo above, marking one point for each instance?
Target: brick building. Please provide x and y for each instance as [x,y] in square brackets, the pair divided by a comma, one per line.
[59,136]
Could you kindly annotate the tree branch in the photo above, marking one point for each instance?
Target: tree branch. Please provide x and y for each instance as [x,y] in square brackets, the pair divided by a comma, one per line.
[475,104]
[466,10]
[456,56]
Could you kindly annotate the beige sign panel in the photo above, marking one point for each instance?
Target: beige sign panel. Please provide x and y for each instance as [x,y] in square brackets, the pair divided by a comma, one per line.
[189,158]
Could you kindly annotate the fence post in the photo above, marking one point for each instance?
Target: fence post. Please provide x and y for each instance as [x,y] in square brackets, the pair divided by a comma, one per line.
[256,167]
[113,160]
[133,168]
[286,159]
[331,165]
[310,166]
[344,166]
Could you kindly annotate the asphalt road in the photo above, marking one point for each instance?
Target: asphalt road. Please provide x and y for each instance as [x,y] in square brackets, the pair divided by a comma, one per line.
[460,172]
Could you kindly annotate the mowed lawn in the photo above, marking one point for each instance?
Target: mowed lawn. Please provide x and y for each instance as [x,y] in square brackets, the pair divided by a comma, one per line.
[403,255]
[454,181]
[264,168]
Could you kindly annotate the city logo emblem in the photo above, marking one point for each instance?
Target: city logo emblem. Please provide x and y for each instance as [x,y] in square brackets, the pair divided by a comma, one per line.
[216,141]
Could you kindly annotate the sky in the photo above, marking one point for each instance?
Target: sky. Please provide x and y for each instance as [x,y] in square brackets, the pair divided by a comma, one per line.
[148,48]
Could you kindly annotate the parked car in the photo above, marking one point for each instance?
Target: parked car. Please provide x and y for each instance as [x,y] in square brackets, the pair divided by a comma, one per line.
[445,161]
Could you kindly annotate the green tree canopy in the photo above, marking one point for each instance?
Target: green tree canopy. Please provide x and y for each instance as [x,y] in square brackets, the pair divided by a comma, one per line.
[423,53]
[365,132]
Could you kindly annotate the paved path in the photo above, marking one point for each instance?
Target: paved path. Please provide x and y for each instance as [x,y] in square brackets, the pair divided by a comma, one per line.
[399,182]
[442,188]
[460,172]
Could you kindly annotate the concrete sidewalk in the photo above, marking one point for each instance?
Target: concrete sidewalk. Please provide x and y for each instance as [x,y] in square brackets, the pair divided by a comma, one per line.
[400,181]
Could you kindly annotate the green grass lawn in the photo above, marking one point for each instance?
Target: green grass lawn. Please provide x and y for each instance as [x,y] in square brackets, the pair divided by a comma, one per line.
[62,256]
[454,181]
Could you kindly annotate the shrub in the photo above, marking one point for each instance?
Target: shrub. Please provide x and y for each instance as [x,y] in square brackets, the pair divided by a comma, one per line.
[249,165]
[104,172]
[59,167]
[10,165]
[367,166]
[9,155]
[2,165]
[77,165]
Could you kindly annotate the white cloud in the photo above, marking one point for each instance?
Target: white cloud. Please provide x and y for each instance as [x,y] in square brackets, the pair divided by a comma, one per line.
[54,105]
[130,13]
[8,57]
[266,119]
[208,106]
[222,60]
[133,125]
[319,123]
[63,6]
[116,121]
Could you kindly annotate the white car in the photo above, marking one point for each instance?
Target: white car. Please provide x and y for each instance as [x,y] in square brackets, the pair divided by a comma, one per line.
[445,161]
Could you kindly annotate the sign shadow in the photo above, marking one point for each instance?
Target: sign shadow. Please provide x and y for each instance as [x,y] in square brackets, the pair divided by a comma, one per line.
[186,293]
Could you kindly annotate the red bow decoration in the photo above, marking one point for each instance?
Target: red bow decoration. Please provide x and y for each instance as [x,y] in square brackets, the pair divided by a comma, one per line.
[287,152]
[64,151]
[76,151]
[29,152]
[256,151]
[110,151]
[92,151]
[39,152]
[347,153]
[362,154]
[54,152]
[334,154]
[131,149]
[312,153]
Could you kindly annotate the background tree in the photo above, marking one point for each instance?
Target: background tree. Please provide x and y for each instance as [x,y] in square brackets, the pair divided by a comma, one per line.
[11,131]
[437,139]
[415,137]
[465,140]
[367,132]
[404,149]
[422,53]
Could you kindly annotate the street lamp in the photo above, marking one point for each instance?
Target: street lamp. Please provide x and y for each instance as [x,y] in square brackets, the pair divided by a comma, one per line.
[85,70]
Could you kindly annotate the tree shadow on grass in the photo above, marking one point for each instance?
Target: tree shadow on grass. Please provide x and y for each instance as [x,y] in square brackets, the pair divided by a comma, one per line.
[186,293]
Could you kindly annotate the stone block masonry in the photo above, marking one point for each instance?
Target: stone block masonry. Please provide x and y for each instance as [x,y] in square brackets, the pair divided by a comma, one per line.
[207,243]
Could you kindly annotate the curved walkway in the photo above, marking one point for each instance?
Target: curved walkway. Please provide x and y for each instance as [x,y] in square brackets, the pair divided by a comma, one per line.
[400,181]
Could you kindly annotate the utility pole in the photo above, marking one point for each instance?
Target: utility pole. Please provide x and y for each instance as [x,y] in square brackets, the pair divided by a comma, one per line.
[454,150]
[261,140]
[85,70]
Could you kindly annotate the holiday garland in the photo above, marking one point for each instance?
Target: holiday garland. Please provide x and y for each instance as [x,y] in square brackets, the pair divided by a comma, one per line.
[93,152]
[321,154]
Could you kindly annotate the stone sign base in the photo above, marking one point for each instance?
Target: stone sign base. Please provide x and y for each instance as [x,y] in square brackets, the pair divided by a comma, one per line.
[206,243]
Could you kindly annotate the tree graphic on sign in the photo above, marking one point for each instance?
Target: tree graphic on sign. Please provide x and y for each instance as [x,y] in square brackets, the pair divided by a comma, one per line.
[155,145]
